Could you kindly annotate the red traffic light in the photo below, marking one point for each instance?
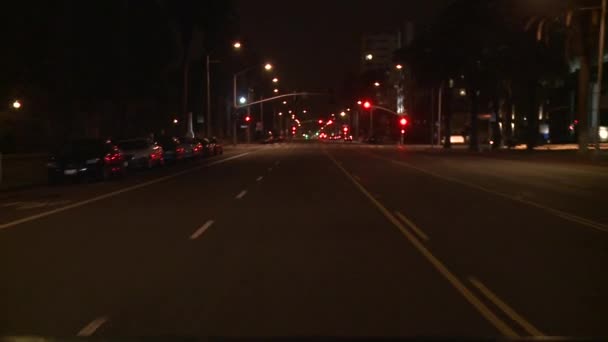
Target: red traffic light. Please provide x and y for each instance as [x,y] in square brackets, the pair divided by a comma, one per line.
[402,131]
[247,118]
[345,129]
[367,105]
[330,122]
[320,122]
[403,121]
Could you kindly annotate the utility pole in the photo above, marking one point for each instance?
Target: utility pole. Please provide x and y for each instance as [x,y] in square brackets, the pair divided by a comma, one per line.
[208,98]
[439,106]
[597,89]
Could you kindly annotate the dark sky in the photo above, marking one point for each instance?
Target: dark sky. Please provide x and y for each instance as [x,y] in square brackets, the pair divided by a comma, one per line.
[315,43]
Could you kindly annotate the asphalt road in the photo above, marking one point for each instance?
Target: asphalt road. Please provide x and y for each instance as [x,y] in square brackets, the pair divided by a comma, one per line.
[312,240]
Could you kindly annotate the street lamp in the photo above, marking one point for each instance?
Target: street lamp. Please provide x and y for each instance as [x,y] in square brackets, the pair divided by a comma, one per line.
[463,92]
[280,113]
[275,80]
[236,45]
[268,66]
[399,66]
[284,102]
[276,90]
[304,111]
[343,114]
[369,57]
[242,100]
[376,84]
[17,104]
[175,121]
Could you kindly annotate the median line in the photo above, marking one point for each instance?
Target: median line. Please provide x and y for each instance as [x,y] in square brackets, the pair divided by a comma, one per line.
[117,192]
[92,327]
[529,328]
[201,230]
[483,309]
[413,226]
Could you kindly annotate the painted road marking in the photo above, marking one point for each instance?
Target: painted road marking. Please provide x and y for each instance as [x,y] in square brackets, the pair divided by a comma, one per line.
[562,214]
[529,328]
[411,224]
[202,229]
[116,193]
[259,178]
[498,323]
[241,194]
[90,328]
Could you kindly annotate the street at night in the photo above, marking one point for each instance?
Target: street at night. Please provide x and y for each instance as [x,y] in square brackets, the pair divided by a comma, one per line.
[312,239]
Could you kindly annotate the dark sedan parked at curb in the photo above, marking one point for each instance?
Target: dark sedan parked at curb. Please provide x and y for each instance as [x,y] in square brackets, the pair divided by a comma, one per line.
[86,159]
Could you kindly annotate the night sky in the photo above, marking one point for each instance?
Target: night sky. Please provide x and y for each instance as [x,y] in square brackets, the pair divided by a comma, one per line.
[316,43]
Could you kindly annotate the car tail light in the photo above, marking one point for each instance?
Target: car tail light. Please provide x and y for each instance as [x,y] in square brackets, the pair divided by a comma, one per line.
[180,150]
[112,157]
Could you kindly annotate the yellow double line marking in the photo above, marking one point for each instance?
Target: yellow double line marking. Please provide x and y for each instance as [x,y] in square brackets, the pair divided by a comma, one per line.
[483,309]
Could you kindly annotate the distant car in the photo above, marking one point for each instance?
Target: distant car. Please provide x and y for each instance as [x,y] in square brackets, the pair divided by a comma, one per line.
[172,149]
[216,146]
[86,159]
[348,138]
[141,153]
[193,147]
[268,140]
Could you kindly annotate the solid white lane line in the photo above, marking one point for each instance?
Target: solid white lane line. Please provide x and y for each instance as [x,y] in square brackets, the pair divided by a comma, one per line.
[558,213]
[90,328]
[241,194]
[116,193]
[529,328]
[483,309]
[202,229]
[259,178]
[411,224]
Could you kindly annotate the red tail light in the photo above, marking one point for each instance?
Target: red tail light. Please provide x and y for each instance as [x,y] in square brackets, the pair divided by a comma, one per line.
[112,157]
[180,150]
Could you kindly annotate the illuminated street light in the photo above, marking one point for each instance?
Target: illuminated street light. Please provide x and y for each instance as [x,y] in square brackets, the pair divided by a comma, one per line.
[268,66]
[17,104]
[304,111]
[342,114]
[348,109]
[293,116]
[276,90]
[376,84]
[463,92]
[399,66]
[175,121]
[242,100]
[369,57]
[289,111]
[237,45]
[275,80]
[359,102]
[280,113]
[284,102]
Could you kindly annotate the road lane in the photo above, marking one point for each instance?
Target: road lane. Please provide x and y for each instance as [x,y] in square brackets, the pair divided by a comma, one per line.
[62,271]
[304,254]
[18,204]
[547,268]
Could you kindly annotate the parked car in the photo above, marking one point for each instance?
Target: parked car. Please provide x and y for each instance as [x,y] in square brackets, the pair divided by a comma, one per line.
[141,153]
[193,147]
[217,146]
[173,149]
[86,159]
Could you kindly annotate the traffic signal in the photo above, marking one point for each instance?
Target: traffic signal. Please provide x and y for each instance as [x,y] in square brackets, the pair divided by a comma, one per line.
[345,129]
[320,122]
[367,105]
[330,122]
[403,121]
[247,118]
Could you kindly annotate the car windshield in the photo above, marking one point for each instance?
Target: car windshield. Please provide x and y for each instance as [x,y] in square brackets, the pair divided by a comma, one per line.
[263,169]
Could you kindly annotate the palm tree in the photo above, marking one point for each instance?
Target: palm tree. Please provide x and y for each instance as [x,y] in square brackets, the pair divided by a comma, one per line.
[576,27]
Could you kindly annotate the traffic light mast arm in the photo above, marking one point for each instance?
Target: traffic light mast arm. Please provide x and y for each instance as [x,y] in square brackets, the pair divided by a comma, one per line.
[280,97]
[385,109]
